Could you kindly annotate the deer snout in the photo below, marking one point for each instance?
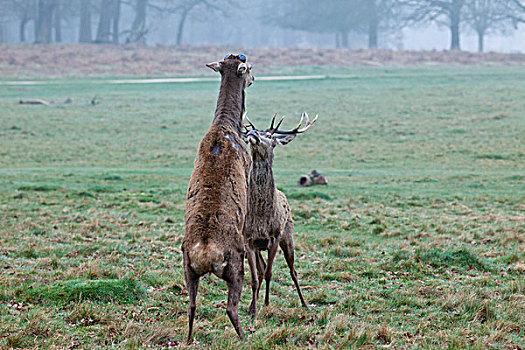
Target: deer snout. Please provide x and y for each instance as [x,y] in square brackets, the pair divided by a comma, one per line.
[251,79]
[253,137]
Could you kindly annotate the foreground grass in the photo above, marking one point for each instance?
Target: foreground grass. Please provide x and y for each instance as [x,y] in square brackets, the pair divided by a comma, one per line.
[417,242]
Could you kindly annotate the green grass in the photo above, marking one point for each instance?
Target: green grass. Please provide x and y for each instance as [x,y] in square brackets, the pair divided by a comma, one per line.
[119,291]
[417,241]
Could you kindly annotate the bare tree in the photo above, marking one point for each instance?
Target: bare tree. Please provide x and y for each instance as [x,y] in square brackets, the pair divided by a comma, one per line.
[341,17]
[138,31]
[447,12]
[334,16]
[3,18]
[57,20]
[108,24]
[183,9]
[104,22]
[116,21]
[23,10]
[380,16]
[516,11]
[484,16]
[44,21]
[85,35]
[372,10]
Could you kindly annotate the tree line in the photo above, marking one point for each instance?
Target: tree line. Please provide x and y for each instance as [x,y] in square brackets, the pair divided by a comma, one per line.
[376,17]
[100,21]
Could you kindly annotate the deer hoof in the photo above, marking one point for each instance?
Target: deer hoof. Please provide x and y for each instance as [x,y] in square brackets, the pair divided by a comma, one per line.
[252,310]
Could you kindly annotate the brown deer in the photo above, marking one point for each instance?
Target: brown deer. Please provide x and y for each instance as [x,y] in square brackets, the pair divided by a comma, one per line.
[269,222]
[216,198]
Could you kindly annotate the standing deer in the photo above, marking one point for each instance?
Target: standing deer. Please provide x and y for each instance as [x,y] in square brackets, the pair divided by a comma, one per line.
[216,198]
[269,222]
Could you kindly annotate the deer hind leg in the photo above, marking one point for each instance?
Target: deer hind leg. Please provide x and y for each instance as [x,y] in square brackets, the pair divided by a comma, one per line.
[272,251]
[192,283]
[255,280]
[257,269]
[261,267]
[234,277]
[288,250]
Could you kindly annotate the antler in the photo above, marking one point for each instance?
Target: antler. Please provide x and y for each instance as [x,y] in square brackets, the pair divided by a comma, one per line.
[250,124]
[296,130]
[272,130]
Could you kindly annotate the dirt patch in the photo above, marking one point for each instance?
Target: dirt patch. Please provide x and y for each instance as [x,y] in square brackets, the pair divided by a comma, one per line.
[23,61]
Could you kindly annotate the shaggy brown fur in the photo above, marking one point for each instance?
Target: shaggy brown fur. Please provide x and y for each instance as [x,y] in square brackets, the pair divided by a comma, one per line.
[216,198]
[269,222]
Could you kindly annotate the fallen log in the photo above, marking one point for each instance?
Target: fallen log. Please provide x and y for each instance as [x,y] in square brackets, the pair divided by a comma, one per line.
[34,102]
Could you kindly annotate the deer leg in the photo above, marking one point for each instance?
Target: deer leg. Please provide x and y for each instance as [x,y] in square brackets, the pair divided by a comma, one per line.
[272,251]
[192,283]
[255,281]
[234,277]
[288,250]
[261,267]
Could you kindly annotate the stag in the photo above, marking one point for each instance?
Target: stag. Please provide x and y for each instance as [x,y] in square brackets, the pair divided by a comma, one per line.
[217,194]
[269,222]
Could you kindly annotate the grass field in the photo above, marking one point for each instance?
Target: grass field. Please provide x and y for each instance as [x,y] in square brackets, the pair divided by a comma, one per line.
[418,241]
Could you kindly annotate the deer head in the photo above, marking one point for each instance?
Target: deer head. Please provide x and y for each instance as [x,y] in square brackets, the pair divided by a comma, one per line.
[262,142]
[234,64]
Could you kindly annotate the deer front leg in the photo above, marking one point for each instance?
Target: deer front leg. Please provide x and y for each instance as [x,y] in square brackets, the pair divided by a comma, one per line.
[255,281]
[272,251]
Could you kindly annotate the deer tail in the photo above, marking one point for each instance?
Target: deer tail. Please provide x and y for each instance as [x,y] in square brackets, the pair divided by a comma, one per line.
[206,258]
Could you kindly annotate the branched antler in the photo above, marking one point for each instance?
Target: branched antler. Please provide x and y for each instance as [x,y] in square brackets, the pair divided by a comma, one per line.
[272,130]
[275,130]
[297,129]
[250,124]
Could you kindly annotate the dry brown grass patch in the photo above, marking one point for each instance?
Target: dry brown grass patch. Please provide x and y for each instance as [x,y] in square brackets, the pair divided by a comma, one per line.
[161,334]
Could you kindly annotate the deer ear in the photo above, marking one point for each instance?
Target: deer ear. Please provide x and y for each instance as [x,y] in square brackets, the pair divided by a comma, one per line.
[216,66]
[242,68]
[284,139]
[244,137]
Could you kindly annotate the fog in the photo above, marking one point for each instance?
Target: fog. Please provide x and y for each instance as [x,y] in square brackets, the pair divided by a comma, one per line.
[386,24]
[436,38]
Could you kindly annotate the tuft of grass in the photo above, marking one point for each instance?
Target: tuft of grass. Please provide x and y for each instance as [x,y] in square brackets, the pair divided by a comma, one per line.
[308,196]
[461,258]
[492,156]
[39,188]
[86,314]
[323,298]
[485,313]
[85,194]
[112,178]
[15,341]
[102,189]
[161,334]
[119,291]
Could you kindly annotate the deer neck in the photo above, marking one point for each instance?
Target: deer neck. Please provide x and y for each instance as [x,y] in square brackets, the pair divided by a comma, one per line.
[230,104]
[261,178]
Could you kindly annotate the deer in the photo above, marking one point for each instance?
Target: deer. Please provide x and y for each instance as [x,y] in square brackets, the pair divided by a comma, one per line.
[269,223]
[216,202]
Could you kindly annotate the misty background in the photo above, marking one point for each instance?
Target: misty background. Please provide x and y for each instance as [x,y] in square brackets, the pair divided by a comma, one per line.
[473,25]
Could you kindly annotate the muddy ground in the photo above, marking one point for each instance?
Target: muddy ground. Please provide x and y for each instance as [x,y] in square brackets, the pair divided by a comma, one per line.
[30,61]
